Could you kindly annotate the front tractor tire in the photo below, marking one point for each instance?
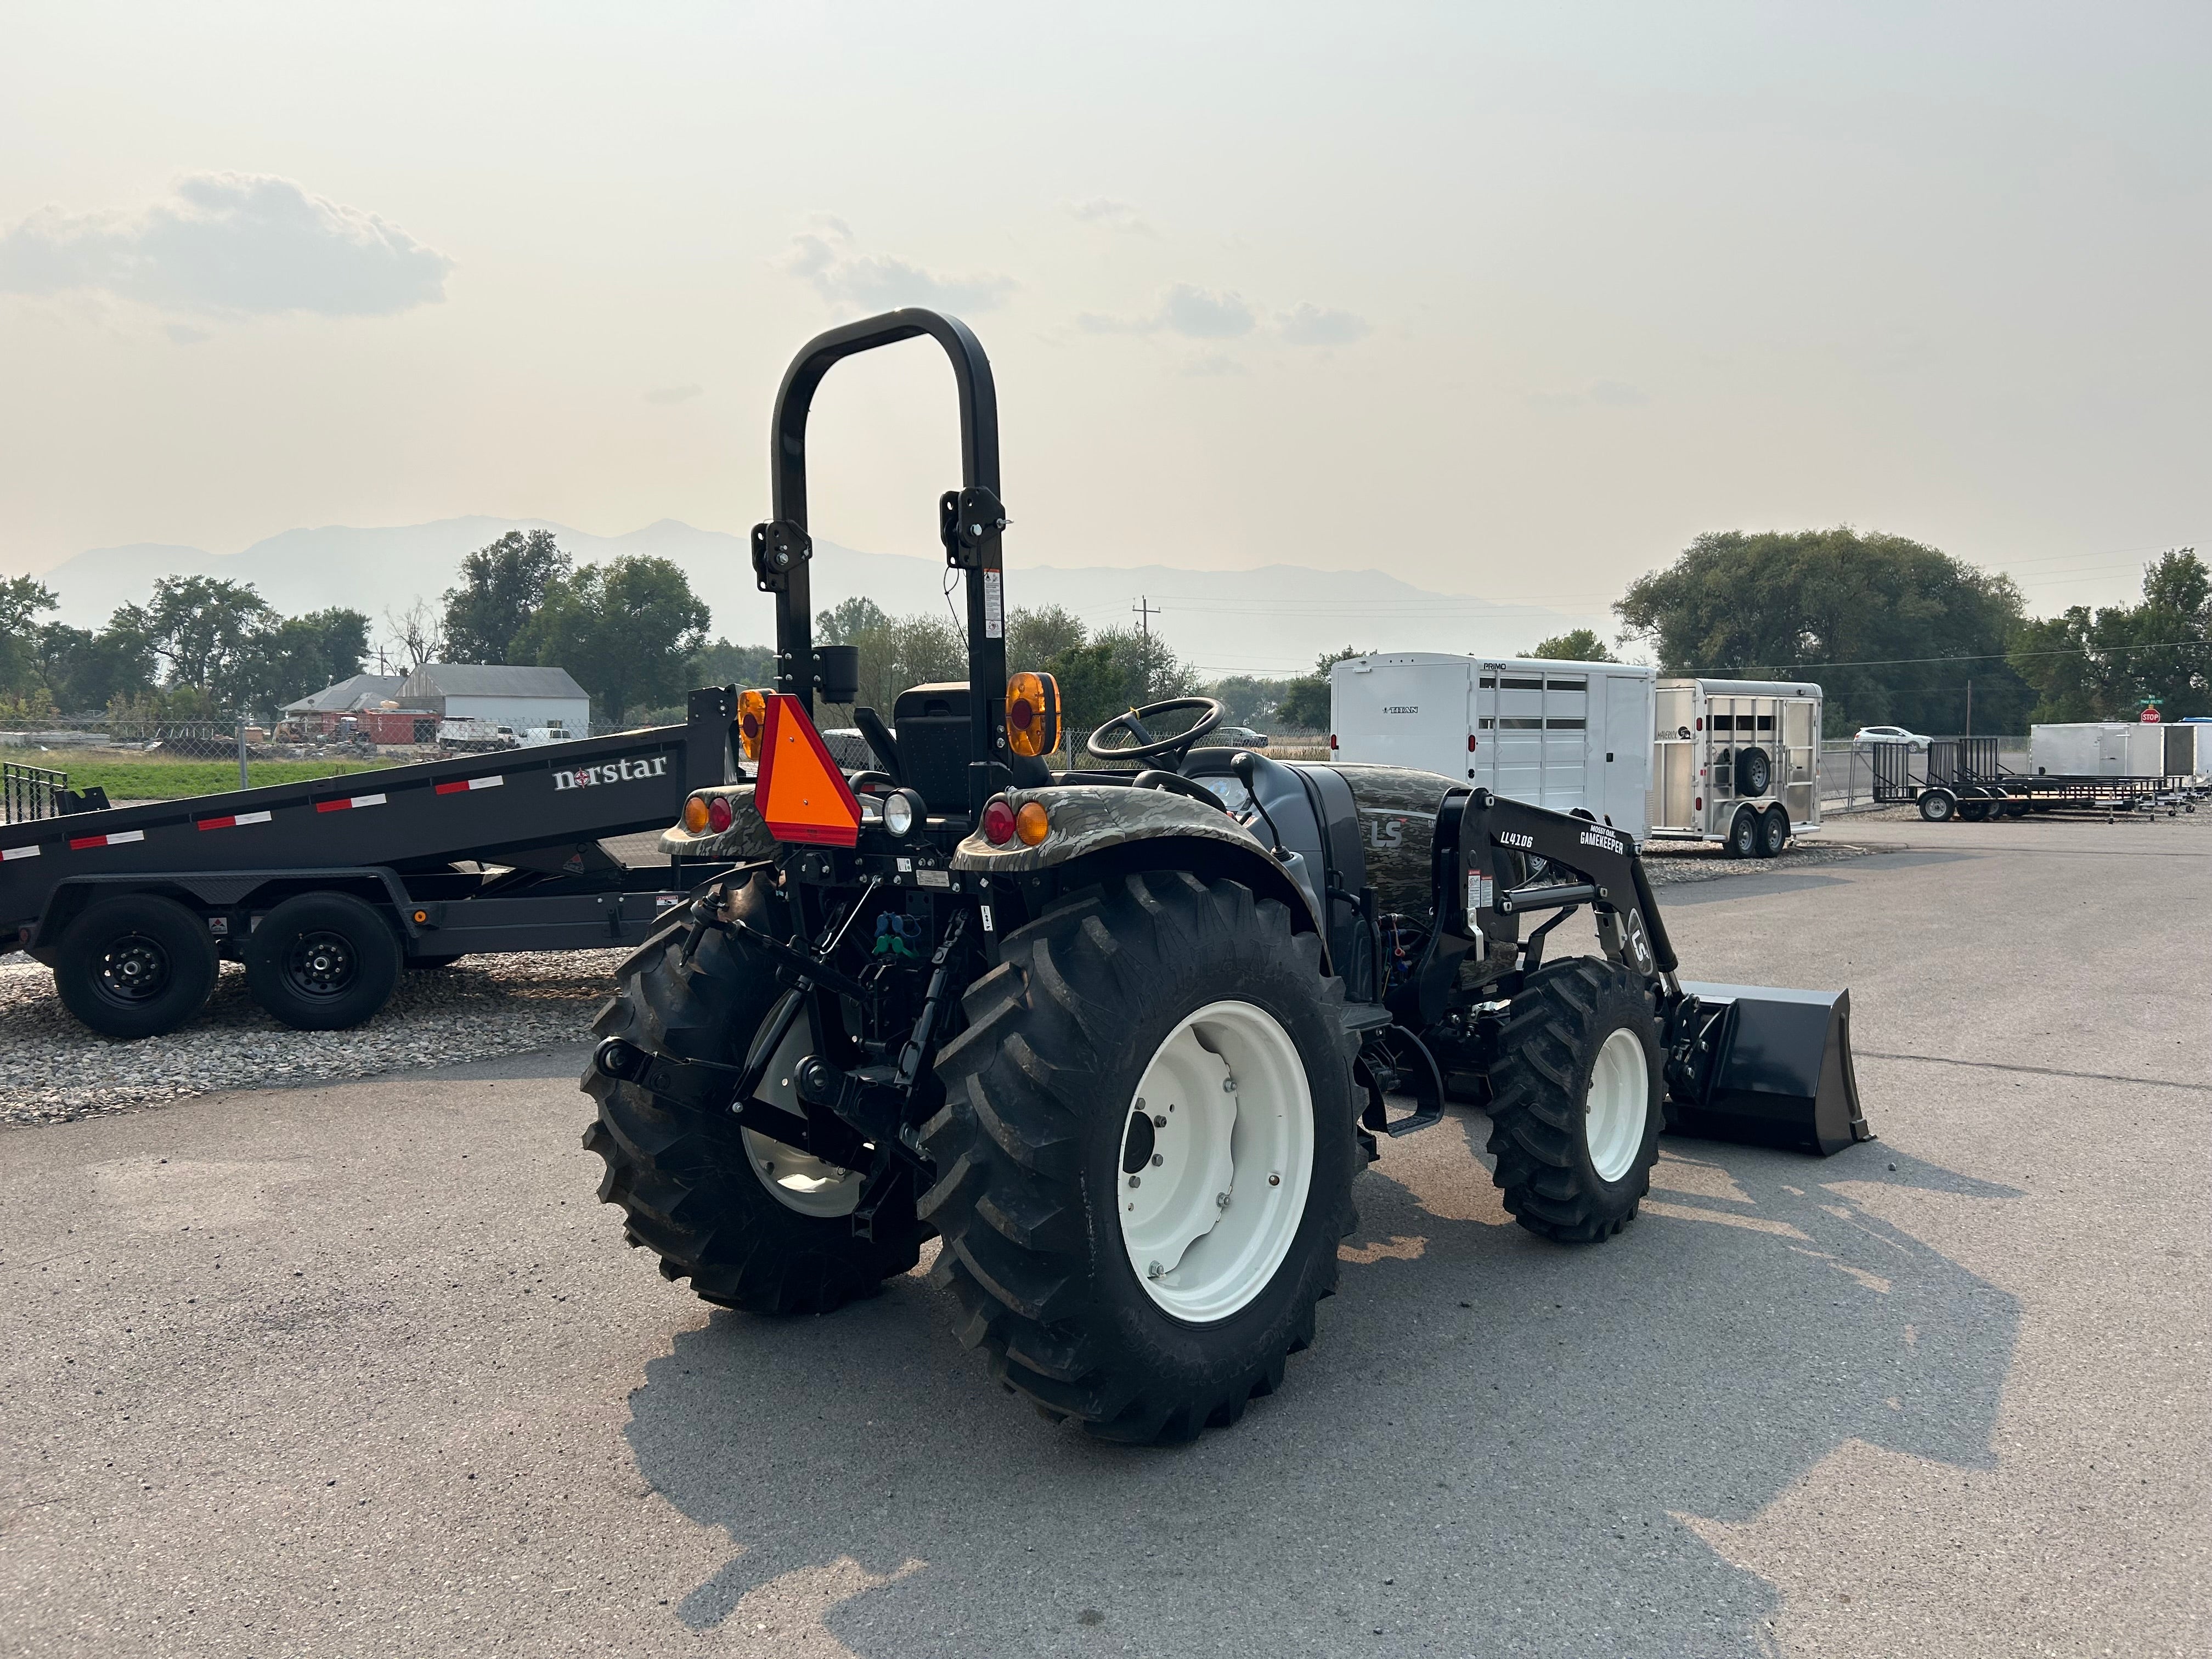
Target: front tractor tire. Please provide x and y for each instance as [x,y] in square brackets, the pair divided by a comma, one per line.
[1145,1155]
[1576,1107]
[754,1224]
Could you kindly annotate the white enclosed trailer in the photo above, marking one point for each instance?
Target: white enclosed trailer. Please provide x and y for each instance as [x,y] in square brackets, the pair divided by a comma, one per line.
[1726,751]
[1569,736]
[2115,749]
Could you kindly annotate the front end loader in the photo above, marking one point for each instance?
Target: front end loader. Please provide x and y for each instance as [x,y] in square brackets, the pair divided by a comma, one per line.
[1121,1037]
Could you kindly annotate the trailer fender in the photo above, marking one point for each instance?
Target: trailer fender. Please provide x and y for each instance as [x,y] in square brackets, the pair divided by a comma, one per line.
[1132,828]
[220,889]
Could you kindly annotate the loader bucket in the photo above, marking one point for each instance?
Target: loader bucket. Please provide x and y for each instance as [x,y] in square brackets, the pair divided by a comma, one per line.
[1773,1067]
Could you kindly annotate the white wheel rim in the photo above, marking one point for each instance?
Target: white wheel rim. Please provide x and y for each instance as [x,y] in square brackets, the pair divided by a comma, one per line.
[1210,1214]
[798,1181]
[1619,1101]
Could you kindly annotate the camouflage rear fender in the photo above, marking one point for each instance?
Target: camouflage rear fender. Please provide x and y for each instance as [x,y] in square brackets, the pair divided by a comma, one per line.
[1090,819]
[746,838]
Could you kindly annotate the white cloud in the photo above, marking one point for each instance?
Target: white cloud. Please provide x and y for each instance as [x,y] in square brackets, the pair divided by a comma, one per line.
[1313,325]
[826,256]
[1199,314]
[1196,313]
[672,394]
[1111,214]
[229,244]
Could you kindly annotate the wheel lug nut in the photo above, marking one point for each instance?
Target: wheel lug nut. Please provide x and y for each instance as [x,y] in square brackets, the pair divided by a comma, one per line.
[1154,1270]
[1221,1200]
[1274,1181]
[1159,1120]
[1157,1160]
[1136,1180]
[1229,1085]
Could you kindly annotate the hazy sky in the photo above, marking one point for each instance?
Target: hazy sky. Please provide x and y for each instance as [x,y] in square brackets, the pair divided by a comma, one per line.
[1510,299]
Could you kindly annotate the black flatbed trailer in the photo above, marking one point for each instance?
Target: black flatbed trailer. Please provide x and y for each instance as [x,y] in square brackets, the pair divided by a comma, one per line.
[132,907]
[1964,781]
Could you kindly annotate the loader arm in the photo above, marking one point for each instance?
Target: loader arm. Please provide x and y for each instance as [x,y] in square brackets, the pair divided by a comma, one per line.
[1516,858]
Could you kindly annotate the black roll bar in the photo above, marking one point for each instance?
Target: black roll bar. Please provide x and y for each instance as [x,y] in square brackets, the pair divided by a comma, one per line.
[970,520]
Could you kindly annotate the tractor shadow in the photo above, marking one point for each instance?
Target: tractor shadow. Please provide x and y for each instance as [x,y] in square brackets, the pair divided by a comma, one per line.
[1488,1451]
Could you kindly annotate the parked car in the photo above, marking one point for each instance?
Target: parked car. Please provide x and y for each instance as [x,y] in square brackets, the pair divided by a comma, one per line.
[1869,734]
[1233,736]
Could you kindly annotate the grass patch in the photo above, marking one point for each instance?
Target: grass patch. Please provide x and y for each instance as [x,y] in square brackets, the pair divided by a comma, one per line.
[138,779]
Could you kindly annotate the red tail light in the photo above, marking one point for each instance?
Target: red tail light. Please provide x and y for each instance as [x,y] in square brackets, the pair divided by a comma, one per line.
[998,821]
[717,814]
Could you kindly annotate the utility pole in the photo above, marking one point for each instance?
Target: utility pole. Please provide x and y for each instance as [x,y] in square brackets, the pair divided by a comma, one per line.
[1146,610]
[1970,708]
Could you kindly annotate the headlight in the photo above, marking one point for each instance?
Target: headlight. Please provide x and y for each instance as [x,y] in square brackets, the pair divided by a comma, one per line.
[902,809]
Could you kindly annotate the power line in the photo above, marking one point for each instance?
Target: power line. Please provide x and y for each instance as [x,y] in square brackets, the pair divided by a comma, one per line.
[1998,656]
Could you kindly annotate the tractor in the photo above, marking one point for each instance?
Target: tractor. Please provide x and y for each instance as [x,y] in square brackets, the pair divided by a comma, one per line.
[1122,1037]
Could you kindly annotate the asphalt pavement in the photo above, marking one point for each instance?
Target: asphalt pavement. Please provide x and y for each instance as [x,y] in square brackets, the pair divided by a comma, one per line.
[364,1369]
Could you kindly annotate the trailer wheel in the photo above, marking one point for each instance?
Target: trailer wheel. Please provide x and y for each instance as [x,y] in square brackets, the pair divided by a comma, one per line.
[1938,805]
[1145,1155]
[690,1181]
[1575,1111]
[135,966]
[1773,832]
[1973,811]
[1742,840]
[322,962]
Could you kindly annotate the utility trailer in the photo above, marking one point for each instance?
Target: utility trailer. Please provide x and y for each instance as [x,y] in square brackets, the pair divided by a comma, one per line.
[1963,778]
[1736,761]
[326,889]
[1122,1035]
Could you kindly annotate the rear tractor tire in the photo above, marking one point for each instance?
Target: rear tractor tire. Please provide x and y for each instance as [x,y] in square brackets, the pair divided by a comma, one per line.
[753,1223]
[1576,1105]
[1145,1155]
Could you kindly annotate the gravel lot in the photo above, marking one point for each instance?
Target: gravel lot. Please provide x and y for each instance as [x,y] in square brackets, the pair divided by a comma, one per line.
[52,1070]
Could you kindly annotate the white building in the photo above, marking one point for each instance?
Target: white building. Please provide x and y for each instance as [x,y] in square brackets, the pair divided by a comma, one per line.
[503,693]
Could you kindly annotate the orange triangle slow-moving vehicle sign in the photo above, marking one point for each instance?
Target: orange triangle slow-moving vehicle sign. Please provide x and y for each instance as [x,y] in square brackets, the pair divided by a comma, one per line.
[800,794]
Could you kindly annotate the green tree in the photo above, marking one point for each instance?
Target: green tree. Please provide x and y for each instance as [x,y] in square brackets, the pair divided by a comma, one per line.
[1248,701]
[292,657]
[851,619]
[1576,645]
[1305,706]
[1893,629]
[22,600]
[503,586]
[2088,664]
[628,630]
[84,671]
[1034,638]
[199,627]
[745,667]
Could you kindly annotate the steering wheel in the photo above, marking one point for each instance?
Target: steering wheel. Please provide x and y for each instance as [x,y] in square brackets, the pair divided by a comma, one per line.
[1142,745]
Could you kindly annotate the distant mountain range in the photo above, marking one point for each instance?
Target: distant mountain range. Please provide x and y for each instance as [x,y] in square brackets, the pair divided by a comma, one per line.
[1271,620]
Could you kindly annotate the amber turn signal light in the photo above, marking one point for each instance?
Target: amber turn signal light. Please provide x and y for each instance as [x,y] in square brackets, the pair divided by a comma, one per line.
[1032,714]
[1032,824]
[752,721]
[695,814]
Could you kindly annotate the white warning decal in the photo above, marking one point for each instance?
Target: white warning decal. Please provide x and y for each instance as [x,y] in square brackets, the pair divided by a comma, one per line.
[994,605]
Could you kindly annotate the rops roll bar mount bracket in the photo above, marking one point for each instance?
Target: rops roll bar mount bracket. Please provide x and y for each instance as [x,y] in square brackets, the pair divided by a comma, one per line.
[971,521]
